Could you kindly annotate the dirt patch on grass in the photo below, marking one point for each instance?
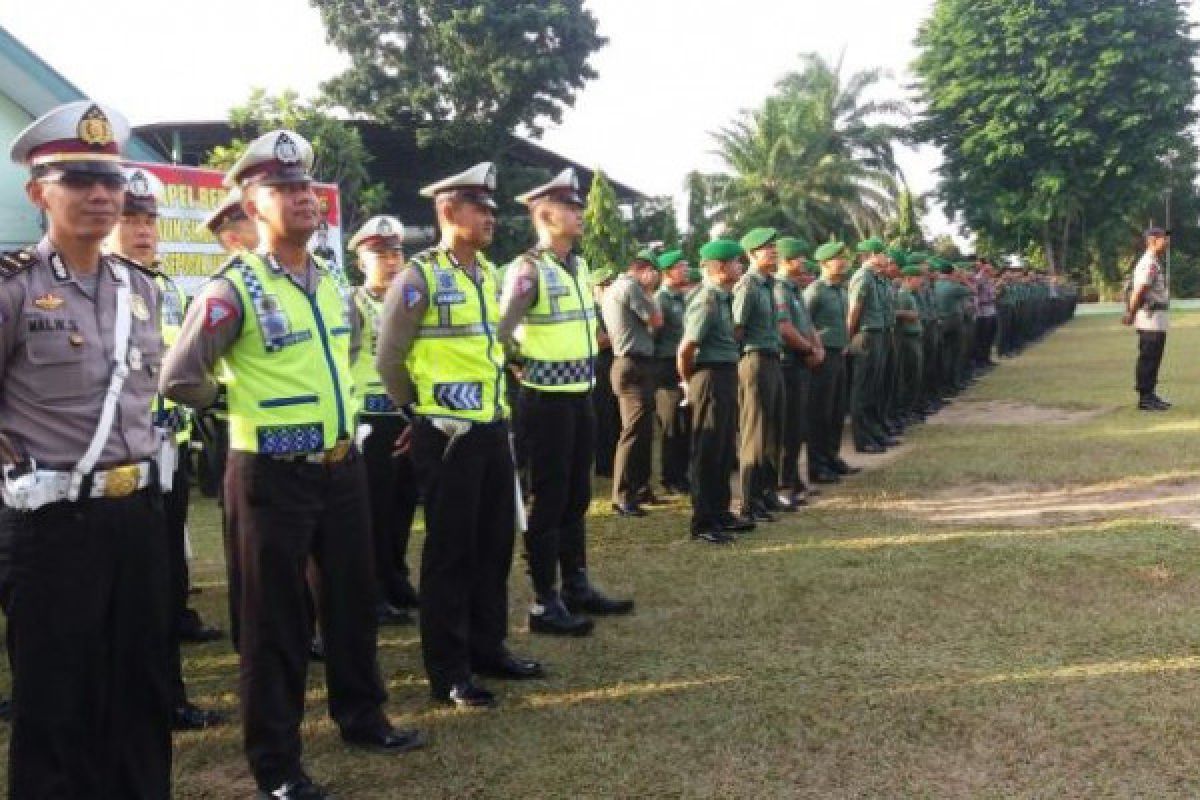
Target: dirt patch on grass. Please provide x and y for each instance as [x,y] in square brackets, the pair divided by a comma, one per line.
[1171,498]
[1002,412]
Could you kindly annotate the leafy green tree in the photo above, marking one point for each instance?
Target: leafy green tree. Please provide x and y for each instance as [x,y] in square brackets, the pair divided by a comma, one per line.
[1057,118]
[654,221]
[945,246]
[815,159]
[464,71]
[606,237]
[699,221]
[904,230]
[340,156]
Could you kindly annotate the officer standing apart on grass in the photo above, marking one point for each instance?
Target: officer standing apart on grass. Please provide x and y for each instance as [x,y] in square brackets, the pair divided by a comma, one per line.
[827,304]
[391,485]
[135,238]
[440,355]
[1147,312]
[760,379]
[295,486]
[674,418]
[707,359]
[88,606]
[631,317]
[547,310]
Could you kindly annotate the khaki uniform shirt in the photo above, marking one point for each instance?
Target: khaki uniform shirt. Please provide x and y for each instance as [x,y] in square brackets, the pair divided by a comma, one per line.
[56,347]
[627,310]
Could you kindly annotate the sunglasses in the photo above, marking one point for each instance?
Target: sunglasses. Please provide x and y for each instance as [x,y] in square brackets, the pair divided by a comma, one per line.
[86,180]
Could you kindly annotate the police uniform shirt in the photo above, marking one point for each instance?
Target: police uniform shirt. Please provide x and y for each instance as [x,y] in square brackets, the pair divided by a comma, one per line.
[627,311]
[1149,274]
[56,345]
[755,313]
[666,339]
[211,328]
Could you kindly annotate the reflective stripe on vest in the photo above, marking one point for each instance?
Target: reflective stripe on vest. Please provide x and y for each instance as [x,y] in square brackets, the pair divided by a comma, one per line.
[557,337]
[289,385]
[456,362]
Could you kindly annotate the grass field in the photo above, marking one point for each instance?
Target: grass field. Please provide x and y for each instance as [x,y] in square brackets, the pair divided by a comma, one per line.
[998,612]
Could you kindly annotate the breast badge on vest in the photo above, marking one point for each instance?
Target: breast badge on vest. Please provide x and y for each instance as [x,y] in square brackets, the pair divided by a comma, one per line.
[447,290]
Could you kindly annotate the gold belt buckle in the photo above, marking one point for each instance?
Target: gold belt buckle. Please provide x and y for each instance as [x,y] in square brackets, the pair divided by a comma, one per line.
[122,481]
[338,453]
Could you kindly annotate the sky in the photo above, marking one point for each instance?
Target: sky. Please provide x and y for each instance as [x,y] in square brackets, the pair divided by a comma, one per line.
[673,71]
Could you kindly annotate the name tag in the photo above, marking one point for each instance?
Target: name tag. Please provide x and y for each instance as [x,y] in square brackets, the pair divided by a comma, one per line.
[450,298]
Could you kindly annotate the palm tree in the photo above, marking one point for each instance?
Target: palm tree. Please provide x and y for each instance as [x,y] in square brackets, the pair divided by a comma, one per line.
[814,160]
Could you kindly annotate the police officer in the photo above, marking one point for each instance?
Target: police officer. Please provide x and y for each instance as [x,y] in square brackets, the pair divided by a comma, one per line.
[866,325]
[295,483]
[631,317]
[760,380]
[548,312]
[88,606]
[674,418]
[230,226]
[707,360]
[1146,310]
[439,351]
[802,352]
[136,238]
[391,484]
[827,307]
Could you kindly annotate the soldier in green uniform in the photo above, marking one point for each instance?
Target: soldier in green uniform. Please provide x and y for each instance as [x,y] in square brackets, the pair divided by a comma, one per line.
[910,335]
[801,352]
[866,324]
[949,294]
[674,419]
[760,380]
[708,361]
[825,299]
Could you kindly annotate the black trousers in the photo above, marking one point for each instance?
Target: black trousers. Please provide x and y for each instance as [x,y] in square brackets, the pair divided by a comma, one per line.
[175,513]
[392,490]
[89,631]
[1150,353]
[633,380]
[826,411]
[985,337]
[561,439]
[713,391]
[470,510]
[286,514]
[608,415]
[796,380]
[675,423]
[950,353]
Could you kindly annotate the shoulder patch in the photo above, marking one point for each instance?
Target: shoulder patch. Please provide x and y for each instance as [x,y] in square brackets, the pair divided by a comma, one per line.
[129,262]
[16,261]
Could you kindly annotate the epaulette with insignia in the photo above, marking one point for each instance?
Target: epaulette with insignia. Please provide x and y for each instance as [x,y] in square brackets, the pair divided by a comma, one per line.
[234,262]
[129,262]
[16,261]
[424,256]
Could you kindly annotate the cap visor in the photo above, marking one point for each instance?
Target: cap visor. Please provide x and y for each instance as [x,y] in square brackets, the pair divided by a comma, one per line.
[82,167]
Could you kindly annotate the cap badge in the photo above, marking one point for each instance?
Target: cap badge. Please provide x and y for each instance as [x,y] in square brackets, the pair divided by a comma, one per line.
[489,180]
[95,129]
[138,184]
[49,302]
[286,151]
[384,228]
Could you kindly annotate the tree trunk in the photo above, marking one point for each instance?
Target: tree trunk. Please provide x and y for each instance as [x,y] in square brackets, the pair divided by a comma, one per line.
[1048,246]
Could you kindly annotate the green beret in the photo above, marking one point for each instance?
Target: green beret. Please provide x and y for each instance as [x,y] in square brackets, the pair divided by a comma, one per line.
[898,254]
[669,259]
[872,245]
[759,237]
[648,255]
[601,275]
[695,275]
[912,272]
[791,247]
[721,250]
[829,250]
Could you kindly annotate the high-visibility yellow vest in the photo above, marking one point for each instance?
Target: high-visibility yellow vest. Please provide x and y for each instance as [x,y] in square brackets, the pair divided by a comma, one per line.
[372,395]
[557,337]
[168,414]
[288,378]
[456,361]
